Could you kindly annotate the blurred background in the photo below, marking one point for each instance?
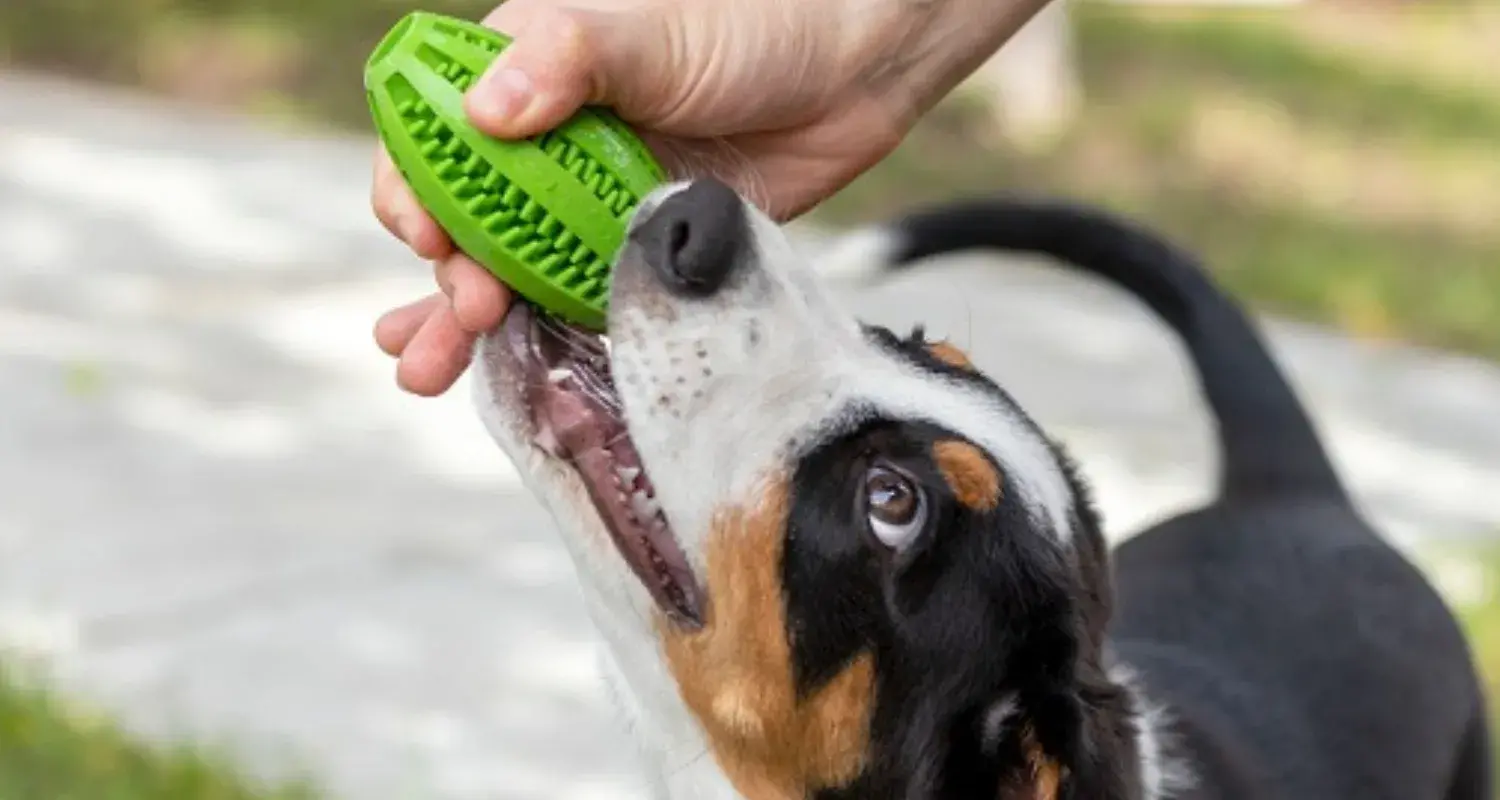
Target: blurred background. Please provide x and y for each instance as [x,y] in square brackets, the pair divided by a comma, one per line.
[237,562]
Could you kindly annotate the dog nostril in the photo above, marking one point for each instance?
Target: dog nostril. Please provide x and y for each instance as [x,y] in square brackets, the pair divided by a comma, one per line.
[677,240]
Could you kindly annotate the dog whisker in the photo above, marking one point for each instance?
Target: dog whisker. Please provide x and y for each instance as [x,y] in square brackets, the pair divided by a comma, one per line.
[617,438]
[702,754]
[749,180]
[576,340]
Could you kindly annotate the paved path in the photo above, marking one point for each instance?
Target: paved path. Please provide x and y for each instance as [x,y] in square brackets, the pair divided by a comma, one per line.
[217,514]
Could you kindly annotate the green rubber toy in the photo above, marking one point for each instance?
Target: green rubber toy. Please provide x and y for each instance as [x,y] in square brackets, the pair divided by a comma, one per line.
[546,215]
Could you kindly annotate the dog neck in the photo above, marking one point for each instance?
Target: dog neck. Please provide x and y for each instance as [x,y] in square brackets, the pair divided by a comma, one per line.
[679,763]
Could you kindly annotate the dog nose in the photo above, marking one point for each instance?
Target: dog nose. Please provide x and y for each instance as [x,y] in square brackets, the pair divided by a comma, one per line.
[694,238]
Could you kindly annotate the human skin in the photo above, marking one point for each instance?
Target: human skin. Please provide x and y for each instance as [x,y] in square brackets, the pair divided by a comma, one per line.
[786,101]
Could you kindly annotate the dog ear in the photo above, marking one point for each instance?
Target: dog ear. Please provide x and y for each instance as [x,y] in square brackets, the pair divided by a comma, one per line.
[1100,760]
[1070,738]
[1074,740]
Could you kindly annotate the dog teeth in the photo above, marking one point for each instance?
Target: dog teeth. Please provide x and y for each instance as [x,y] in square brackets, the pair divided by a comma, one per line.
[558,375]
[644,507]
[627,475]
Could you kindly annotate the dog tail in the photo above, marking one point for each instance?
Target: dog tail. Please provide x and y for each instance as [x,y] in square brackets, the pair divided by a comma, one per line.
[1268,443]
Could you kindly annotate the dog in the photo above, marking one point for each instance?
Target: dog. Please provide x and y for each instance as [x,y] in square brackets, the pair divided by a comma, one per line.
[830,562]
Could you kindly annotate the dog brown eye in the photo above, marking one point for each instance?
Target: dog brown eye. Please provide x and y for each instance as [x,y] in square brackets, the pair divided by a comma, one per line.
[893,500]
[897,508]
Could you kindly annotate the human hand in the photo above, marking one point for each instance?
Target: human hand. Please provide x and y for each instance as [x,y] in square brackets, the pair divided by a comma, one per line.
[787,102]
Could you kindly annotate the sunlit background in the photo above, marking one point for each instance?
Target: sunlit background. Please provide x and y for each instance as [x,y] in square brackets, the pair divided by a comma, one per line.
[237,562]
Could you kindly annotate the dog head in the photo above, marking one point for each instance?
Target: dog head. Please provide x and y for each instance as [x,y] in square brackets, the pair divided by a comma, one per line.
[841,561]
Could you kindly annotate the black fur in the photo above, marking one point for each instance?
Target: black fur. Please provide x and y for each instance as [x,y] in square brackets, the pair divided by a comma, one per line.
[1300,657]
[984,608]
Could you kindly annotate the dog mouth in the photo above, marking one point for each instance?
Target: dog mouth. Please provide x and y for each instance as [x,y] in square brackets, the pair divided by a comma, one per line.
[577,417]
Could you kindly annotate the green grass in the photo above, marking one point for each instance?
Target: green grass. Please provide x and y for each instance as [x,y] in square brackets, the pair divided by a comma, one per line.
[50,750]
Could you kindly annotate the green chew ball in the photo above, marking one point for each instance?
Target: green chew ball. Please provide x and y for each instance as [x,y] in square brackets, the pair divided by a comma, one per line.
[546,215]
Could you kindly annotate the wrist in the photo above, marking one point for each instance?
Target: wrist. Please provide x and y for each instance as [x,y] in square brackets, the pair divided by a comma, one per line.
[912,53]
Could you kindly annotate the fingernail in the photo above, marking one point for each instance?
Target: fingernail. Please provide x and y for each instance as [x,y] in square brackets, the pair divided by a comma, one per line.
[506,91]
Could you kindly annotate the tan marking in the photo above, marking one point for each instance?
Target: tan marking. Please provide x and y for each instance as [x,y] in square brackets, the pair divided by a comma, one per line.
[949,354]
[1046,777]
[1042,779]
[735,674]
[973,478]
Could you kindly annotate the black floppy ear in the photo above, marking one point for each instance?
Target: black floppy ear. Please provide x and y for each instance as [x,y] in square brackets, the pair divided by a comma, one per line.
[1100,760]
[1077,745]
[1023,768]
[1068,735]
[1030,745]
[992,748]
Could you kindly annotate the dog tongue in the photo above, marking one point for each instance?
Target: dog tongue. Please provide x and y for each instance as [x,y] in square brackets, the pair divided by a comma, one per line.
[577,422]
[598,445]
[577,419]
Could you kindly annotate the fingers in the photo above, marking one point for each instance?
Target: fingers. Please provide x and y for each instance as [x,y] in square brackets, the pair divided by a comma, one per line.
[436,355]
[395,328]
[479,300]
[432,348]
[398,210]
[555,65]
[434,337]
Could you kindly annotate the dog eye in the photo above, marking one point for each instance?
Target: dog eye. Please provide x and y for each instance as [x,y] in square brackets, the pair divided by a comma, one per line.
[896,505]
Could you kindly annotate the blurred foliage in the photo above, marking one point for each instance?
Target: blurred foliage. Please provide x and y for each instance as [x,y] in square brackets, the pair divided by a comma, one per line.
[1329,184]
[53,751]
[1302,77]
[1476,598]
[235,51]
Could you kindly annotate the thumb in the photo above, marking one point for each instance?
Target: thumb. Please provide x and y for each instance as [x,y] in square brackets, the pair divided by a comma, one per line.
[557,62]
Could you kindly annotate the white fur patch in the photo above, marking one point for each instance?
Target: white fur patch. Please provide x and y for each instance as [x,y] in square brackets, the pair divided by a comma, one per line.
[995,719]
[1162,774]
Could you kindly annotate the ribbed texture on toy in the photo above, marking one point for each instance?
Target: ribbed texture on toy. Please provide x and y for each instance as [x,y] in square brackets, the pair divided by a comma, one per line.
[546,214]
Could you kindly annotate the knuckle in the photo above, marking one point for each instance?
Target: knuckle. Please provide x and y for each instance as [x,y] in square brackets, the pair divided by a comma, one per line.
[511,16]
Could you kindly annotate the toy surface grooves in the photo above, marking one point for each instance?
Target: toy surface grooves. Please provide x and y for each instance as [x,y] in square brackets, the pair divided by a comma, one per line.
[548,214]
